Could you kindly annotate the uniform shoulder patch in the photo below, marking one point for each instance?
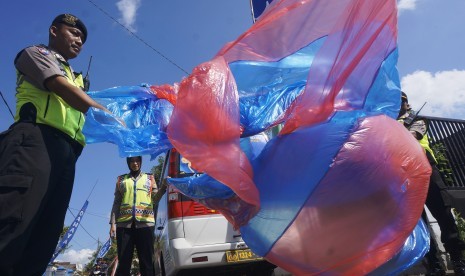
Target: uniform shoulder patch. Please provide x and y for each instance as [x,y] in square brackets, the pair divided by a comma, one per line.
[44,51]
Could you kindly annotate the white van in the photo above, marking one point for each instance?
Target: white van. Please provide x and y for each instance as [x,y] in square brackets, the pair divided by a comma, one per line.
[194,240]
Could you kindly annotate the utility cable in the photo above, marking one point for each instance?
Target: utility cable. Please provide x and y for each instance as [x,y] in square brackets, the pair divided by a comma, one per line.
[78,244]
[86,200]
[92,189]
[82,226]
[139,38]
[92,214]
[7,105]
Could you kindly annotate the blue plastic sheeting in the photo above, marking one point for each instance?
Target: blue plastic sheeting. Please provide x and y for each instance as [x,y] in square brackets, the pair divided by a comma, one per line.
[386,84]
[267,89]
[282,198]
[145,115]
[314,147]
[203,186]
[263,101]
[415,247]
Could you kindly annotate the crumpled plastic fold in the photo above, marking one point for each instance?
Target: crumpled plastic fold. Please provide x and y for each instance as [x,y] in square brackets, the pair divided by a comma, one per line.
[146,117]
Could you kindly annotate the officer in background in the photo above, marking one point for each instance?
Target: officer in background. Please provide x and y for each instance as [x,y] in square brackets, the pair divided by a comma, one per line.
[133,218]
[437,201]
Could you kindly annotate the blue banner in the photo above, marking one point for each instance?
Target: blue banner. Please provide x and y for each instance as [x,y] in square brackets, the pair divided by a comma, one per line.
[104,249]
[258,6]
[70,233]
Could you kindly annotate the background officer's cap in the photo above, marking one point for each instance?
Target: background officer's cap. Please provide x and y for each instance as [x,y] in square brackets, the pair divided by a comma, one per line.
[73,21]
[404,97]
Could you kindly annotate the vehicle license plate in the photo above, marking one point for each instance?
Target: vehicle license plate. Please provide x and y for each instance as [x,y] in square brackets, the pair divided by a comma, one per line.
[240,255]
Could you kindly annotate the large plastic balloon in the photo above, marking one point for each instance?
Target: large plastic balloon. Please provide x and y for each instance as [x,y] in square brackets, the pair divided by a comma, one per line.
[340,190]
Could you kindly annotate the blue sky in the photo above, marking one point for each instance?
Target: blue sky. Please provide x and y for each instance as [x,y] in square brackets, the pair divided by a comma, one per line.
[431,66]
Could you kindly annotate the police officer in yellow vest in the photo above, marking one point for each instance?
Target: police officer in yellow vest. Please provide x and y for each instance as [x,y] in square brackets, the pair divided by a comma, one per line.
[437,201]
[133,218]
[39,151]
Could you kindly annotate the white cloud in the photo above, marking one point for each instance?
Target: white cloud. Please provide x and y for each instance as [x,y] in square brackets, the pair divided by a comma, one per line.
[128,9]
[406,5]
[77,257]
[443,91]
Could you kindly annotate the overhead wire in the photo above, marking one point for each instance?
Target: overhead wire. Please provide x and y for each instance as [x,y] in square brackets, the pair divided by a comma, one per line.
[138,37]
[95,184]
[92,214]
[82,226]
[78,244]
[9,109]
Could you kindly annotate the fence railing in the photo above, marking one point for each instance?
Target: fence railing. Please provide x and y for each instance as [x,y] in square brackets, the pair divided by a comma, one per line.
[450,133]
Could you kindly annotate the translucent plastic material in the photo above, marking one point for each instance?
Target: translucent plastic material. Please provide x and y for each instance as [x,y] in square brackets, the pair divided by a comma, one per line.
[340,190]
[218,196]
[346,196]
[415,247]
[203,186]
[146,117]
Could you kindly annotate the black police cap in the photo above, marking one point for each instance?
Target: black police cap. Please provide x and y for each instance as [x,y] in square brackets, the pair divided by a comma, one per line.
[73,21]
[404,97]
[130,157]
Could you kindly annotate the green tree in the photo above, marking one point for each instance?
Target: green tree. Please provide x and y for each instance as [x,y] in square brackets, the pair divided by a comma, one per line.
[63,232]
[443,163]
[156,170]
[89,266]
[108,258]
[135,265]
[446,172]
[460,225]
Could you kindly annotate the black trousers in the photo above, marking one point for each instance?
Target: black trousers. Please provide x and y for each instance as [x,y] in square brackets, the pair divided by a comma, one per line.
[140,238]
[441,211]
[37,167]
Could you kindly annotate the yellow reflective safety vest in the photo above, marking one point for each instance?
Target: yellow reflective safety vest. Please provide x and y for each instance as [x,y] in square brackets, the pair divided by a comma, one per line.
[136,198]
[424,143]
[52,110]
